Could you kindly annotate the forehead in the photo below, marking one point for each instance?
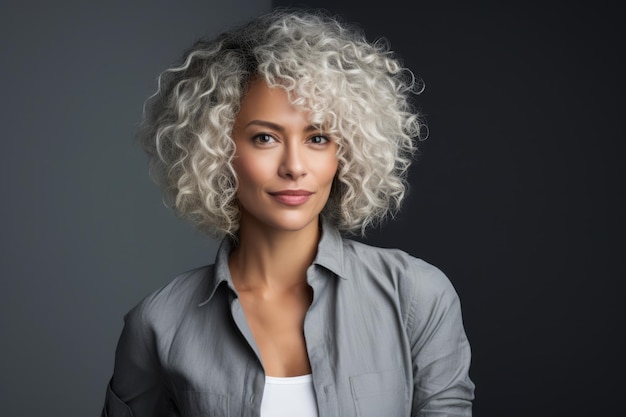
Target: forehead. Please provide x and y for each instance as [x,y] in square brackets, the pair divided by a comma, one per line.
[272,104]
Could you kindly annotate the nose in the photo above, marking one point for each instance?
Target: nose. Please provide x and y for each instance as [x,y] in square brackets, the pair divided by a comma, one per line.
[292,165]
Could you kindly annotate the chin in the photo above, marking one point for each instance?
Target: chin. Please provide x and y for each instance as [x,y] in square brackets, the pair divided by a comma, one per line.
[280,218]
[292,226]
[290,222]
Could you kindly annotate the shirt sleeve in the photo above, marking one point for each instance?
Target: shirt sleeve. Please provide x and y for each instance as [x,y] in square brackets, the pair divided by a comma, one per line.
[136,388]
[439,347]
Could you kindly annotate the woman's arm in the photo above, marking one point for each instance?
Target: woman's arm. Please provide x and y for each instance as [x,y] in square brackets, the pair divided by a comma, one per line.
[440,350]
[137,388]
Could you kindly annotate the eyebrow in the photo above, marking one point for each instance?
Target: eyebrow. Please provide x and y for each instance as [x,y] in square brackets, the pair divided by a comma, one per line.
[274,126]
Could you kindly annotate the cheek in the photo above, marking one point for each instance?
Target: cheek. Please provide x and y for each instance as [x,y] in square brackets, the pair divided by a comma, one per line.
[250,171]
[330,170]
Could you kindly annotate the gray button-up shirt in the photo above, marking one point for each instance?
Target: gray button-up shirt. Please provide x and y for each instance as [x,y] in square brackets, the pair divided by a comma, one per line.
[384,337]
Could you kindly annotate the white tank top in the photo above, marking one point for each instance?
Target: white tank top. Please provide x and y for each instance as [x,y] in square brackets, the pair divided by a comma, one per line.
[289,397]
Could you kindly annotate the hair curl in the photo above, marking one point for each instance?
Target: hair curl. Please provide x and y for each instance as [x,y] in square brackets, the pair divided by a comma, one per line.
[356,90]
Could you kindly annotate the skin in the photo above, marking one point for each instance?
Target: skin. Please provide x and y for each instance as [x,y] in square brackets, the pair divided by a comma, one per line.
[285,168]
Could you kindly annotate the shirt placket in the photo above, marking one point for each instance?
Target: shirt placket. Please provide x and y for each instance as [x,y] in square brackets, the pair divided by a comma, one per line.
[317,348]
[254,378]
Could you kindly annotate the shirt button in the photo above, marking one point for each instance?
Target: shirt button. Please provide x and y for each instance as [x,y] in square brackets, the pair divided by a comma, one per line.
[252,399]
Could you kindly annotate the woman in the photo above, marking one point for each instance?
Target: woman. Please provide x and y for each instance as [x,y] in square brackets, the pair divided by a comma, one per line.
[278,136]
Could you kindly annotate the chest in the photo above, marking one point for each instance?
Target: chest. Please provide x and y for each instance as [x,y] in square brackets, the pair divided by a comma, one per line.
[276,322]
[357,351]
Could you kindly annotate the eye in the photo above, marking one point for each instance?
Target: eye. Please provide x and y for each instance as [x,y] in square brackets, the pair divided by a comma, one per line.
[319,140]
[263,139]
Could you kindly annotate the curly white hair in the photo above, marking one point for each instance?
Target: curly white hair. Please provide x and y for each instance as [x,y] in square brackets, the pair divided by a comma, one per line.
[355,90]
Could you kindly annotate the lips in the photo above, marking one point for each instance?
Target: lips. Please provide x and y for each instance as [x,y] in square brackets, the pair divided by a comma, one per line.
[291,197]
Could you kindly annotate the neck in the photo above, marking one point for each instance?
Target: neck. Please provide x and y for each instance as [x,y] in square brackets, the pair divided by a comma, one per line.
[272,259]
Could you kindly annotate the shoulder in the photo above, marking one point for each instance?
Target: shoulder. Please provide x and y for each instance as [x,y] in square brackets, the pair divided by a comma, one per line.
[394,265]
[168,304]
[422,292]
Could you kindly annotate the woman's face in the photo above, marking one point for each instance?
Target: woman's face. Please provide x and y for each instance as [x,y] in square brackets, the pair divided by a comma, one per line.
[284,165]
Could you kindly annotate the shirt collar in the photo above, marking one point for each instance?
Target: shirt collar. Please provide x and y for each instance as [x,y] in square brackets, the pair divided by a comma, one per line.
[329,255]
[330,250]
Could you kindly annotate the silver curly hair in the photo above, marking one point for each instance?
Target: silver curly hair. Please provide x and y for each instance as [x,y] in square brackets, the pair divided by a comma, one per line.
[355,90]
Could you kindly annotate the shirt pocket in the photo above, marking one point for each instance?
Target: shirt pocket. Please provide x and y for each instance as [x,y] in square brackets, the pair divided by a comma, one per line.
[379,394]
[202,404]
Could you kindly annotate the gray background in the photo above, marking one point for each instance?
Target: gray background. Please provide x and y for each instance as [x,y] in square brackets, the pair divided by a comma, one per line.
[84,235]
